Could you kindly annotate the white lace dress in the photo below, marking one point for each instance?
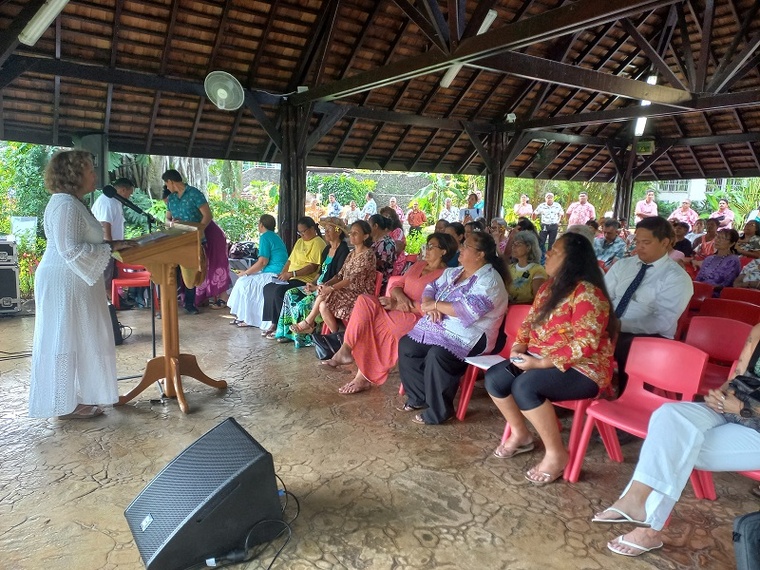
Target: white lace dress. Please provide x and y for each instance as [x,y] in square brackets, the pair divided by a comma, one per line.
[73,355]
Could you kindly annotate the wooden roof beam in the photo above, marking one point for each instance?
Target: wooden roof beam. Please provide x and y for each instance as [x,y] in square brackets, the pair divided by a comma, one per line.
[688,55]
[568,19]
[437,35]
[652,54]
[457,11]
[531,67]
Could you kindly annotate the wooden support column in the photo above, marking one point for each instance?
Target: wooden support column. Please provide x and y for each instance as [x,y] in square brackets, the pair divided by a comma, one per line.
[624,164]
[497,144]
[293,174]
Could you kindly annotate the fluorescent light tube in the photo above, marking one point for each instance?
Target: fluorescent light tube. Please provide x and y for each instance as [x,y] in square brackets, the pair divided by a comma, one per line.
[41,21]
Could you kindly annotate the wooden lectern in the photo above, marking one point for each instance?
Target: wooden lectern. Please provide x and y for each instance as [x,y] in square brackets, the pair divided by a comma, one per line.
[160,253]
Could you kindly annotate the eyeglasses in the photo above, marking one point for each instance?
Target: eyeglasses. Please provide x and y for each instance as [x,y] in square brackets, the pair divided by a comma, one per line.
[468,246]
[431,246]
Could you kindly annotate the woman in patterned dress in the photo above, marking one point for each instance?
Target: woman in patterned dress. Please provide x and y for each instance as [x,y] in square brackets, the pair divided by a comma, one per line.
[563,351]
[299,301]
[336,298]
[383,245]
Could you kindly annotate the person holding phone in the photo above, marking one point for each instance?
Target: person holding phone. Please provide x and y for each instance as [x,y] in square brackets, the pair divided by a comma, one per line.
[563,351]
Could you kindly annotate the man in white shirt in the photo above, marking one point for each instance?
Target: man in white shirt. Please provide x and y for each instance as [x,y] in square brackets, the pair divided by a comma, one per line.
[653,307]
[550,213]
[110,213]
[370,208]
[471,212]
[352,214]
[449,213]
[581,211]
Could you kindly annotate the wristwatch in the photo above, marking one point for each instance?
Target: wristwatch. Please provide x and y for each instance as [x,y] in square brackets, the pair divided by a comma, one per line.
[746,411]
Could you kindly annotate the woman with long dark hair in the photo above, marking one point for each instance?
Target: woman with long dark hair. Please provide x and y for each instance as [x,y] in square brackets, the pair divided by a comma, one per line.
[383,245]
[464,310]
[563,351]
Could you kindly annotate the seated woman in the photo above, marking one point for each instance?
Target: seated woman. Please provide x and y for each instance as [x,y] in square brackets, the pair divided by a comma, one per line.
[498,230]
[301,268]
[682,436]
[562,351]
[527,272]
[397,234]
[749,278]
[336,297]
[457,231]
[376,325]
[705,244]
[749,241]
[299,301]
[723,267]
[681,243]
[246,300]
[383,245]
[464,310]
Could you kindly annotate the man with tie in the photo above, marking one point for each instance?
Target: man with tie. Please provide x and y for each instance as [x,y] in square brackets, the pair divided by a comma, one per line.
[649,291]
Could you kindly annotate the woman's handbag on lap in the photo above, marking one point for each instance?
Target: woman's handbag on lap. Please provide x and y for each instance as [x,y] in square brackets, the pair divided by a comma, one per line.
[327,345]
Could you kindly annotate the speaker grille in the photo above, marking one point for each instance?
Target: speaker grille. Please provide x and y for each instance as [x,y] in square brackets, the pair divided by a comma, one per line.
[188,490]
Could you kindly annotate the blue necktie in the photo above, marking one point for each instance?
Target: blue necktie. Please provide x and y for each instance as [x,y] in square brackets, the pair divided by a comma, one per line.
[628,295]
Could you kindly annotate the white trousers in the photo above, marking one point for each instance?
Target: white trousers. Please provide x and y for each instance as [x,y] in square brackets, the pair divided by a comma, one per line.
[682,437]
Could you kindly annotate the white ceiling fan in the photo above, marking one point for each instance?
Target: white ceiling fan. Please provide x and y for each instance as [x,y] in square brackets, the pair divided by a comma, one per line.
[224,90]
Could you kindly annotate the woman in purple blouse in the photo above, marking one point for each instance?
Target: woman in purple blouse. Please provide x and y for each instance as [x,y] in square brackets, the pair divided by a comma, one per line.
[464,310]
[721,268]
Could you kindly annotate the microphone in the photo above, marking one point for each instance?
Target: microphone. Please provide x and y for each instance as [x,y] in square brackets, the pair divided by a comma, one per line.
[111,192]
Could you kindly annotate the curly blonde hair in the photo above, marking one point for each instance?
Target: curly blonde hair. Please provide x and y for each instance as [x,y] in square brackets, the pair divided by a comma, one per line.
[63,174]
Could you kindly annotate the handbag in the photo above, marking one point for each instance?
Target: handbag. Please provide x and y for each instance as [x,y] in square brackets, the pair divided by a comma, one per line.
[746,388]
[327,345]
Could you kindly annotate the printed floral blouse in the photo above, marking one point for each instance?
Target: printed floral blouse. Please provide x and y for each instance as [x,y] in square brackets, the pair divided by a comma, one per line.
[575,334]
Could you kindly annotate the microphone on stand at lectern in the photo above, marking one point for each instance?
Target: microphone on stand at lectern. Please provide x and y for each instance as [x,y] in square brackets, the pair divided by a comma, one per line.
[111,192]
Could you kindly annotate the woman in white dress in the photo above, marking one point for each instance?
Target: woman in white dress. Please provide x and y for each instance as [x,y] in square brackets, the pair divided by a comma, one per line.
[73,355]
[246,301]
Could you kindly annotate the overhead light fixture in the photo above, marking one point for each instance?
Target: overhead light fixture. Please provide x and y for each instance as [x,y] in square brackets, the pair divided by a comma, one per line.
[452,71]
[41,21]
[641,122]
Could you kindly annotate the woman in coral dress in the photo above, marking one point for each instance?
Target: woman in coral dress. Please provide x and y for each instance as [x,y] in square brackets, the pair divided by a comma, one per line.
[376,325]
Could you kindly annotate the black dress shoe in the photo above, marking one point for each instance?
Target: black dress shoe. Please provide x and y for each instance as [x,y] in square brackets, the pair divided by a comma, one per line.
[191,310]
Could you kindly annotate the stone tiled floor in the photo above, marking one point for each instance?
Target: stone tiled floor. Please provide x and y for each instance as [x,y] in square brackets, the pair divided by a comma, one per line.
[376,490]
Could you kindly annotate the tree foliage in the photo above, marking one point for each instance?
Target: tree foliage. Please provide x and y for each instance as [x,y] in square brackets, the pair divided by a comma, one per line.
[345,188]
[22,184]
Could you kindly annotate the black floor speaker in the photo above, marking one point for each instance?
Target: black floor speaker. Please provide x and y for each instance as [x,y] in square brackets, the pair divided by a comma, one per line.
[206,502]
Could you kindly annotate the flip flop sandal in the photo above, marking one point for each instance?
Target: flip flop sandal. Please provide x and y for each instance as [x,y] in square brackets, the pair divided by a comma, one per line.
[621,541]
[623,518]
[83,413]
[235,322]
[514,451]
[266,332]
[541,478]
[418,419]
[409,408]
[271,335]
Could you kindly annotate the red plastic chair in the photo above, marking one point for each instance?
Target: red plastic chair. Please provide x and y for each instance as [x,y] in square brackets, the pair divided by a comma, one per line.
[702,291]
[393,282]
[128,275]
[651,361]
[741,294]
[515,316]
[729,309]
[722,339]
[745,261]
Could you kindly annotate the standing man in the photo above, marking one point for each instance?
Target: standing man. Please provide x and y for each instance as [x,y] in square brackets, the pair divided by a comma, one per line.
[370,208]
[551,213]
[394,204]
[649,290]
[449,213]
[646,208]
[684,214]
[610,247]
[186,204]
[353,213]
[581,211]
[471,212]
[333,207]
[110,213]
[416,219]
[724,216]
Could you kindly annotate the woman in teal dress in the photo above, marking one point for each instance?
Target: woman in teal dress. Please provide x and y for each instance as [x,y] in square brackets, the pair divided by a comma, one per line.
[300,300]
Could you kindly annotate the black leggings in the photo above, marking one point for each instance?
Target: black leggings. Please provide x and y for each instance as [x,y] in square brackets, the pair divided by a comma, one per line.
[532,388]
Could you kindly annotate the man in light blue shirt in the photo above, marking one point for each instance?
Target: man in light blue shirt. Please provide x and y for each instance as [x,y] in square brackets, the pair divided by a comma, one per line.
[334,207]
[611,247]
[370,208]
